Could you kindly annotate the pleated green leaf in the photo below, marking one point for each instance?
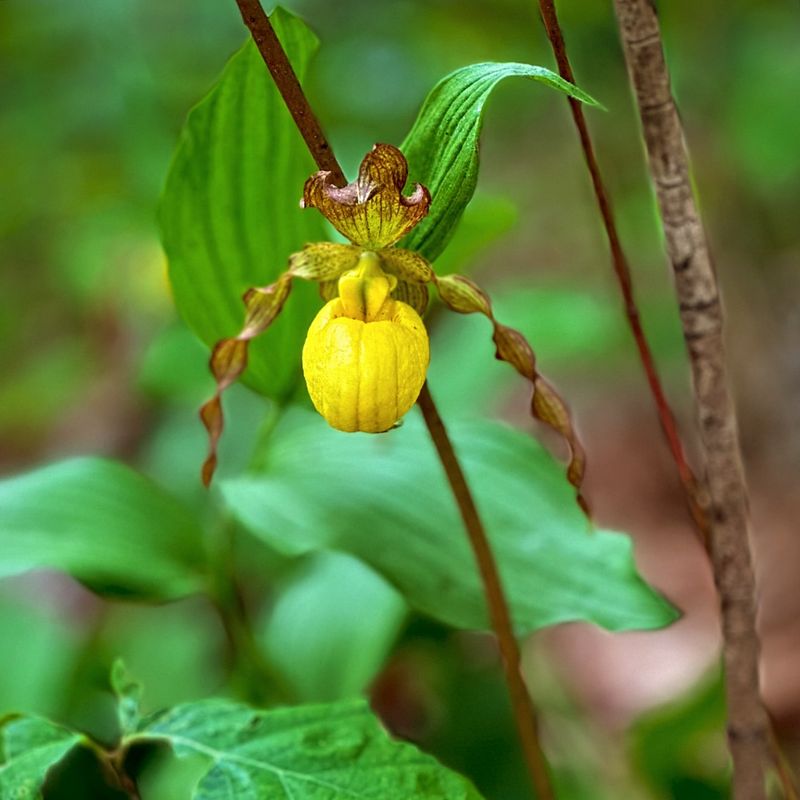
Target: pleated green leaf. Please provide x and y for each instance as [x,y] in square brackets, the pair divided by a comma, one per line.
[325,752]
[104,524]
[384,499]
[442,147]
[230,215]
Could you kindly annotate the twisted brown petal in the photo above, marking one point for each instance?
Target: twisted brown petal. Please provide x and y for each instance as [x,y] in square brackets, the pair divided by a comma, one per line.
[462,295]
[229,358]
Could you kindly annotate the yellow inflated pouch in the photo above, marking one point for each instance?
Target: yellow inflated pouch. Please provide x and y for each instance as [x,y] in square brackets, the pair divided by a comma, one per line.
[366,354]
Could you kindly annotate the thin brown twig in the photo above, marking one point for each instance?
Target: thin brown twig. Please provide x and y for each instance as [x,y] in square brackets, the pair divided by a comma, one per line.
[112,763]
[624,279]
[288,85]
[524,712]
[702,321]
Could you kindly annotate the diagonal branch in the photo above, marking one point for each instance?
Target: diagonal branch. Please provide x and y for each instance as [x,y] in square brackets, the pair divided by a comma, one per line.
[702,322]
[289,86]
[524,712]
[623,273]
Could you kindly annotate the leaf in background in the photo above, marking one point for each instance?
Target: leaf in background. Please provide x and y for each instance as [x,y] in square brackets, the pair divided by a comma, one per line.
[485,219]
[30,746]
[442,147]
[384,499]
[104,524]
[544,315]
[325,752]
[317,631]
[680,749]
[46,651]
[230,214]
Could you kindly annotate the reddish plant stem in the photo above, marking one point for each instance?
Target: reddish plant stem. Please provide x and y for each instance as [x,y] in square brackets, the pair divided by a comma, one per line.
[288,85]
[623,274]
[524,712]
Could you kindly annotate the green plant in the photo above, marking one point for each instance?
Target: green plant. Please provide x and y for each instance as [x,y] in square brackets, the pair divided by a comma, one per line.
[230,220]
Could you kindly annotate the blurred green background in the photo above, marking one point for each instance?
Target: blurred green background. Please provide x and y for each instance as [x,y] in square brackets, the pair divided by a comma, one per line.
[94,360]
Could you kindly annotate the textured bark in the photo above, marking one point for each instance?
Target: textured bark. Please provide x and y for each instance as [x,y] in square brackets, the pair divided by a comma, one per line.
[702,321]
[292,93]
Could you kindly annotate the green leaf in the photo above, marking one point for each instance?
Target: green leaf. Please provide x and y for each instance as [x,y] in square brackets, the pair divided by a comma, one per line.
[486,219]
[104,524]
[230,214]
[30,747]
[679,749]
[318,635]
[325,752]
[442,147]
[572,328]
[384,499]
[43,648]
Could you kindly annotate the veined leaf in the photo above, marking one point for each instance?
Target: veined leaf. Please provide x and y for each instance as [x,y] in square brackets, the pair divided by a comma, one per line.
[29,747]
[104,524]
[384,499]
[442,147]
[326,752]
[230,215]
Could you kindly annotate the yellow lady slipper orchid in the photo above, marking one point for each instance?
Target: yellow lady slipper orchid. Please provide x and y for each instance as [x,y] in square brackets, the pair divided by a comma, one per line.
[367,351]
[365,354]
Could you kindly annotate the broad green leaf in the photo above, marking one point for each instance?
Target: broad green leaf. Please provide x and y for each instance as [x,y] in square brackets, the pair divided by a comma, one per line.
[324,752]
[442,147]
[318,635]
[104,524]
[230,214]
[384,499]
[29,747]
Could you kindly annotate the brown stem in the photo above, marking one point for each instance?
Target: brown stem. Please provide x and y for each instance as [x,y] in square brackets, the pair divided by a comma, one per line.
[113,765]
[702,322]
[292,93]
[278,64]
[524,711]
[623,274]
[782,766]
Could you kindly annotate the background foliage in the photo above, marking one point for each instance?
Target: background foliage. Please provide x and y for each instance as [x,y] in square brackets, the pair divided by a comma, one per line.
[95,362]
